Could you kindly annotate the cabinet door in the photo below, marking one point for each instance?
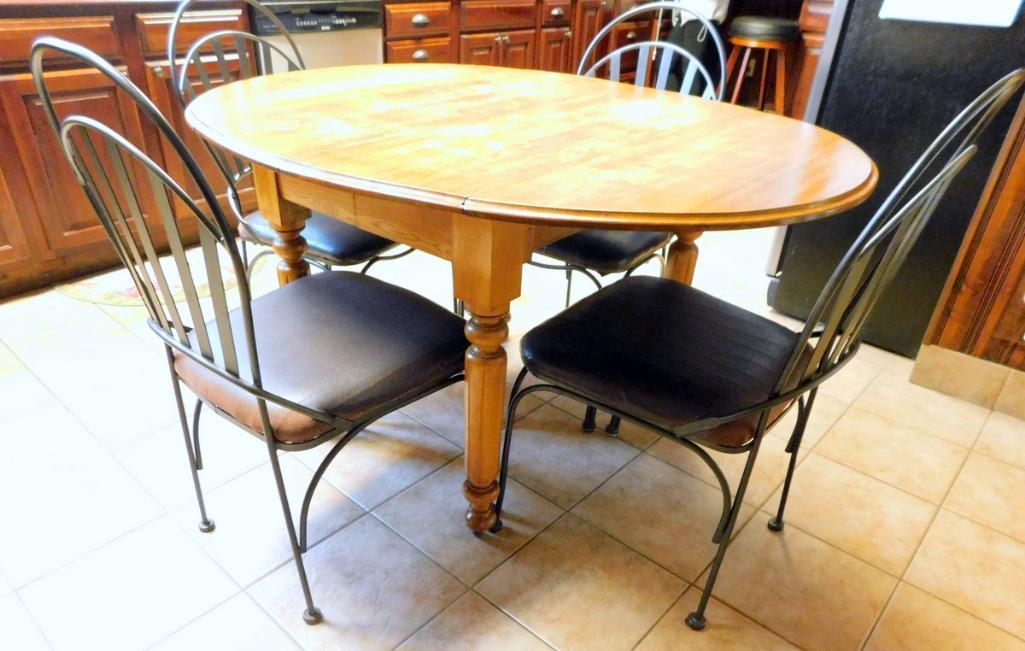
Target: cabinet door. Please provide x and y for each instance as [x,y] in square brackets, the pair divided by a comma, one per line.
[160,87]
[518,49]
[588,18]
[48,191]
[480,49]
[556,50]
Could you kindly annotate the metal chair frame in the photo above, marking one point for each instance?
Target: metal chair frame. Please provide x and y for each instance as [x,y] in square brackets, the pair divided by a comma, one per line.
[832,333]
[234,169]
[647,51]
[117,202]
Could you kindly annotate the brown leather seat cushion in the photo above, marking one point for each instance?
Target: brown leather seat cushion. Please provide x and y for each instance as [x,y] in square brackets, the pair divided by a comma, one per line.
[664,352]
[327,239]
[338,342]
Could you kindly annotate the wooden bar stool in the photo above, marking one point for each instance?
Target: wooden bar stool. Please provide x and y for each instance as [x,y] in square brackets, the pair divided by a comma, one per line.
[770,35]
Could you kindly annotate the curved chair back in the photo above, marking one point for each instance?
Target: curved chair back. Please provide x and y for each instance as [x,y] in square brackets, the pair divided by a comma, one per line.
[211,49]
[107,165]
[666,56]
[835,324]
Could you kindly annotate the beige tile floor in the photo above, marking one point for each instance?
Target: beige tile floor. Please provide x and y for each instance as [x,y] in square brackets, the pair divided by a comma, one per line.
[904,528]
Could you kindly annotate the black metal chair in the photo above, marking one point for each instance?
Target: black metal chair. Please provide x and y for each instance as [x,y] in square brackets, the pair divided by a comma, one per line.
[329,242]
[293,381]
[708,374]
[660,65]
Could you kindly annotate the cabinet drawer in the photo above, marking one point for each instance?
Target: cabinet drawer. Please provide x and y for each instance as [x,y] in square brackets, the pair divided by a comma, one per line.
[500,14]
[153,28]
[94,32]
[417,19]
[556,13]
[422,50]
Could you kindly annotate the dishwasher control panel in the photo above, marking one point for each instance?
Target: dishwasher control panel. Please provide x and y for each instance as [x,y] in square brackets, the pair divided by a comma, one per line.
[320,16]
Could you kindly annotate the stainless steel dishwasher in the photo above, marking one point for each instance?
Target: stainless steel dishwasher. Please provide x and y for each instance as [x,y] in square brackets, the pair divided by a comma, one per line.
[327,33]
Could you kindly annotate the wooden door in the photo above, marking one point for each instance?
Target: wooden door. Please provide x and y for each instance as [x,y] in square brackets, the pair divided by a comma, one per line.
[518,49]
[588,18]
[59,205]
[481,49]
[160,87]
[556,50]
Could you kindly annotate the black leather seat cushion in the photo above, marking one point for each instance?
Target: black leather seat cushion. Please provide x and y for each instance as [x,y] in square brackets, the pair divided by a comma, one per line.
[338,342]
[766,28]
[606,251]
[327,239]
[664,352]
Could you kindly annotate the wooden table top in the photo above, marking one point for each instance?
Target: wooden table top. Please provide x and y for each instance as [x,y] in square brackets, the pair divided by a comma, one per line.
[537,147]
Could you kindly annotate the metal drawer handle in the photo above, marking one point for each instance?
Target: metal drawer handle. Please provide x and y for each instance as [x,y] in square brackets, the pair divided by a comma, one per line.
[558,12]
[421,20]
[420,55]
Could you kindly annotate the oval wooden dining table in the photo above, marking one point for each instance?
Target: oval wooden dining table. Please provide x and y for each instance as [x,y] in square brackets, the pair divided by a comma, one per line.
[484,165]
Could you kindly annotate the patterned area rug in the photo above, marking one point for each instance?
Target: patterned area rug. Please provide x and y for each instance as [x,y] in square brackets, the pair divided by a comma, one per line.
[116,287]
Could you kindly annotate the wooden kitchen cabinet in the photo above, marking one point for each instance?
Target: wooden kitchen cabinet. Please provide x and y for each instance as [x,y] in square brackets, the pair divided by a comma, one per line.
[48,230]
[481,49]
[555,50]
[589,17]
[518,49]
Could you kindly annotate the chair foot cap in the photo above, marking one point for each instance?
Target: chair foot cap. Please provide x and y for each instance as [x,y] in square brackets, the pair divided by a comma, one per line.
[495,528]
[206,526]
[478,534]
[775,524]
[696,621]
[312,616]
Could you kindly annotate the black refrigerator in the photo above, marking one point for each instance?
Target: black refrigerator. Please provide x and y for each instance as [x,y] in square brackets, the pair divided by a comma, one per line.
[890,87]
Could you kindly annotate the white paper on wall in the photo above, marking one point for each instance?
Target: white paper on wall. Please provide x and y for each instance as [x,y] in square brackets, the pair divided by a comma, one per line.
[992,13]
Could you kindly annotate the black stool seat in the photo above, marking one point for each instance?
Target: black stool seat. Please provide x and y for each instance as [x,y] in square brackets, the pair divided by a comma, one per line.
[327,239]
[607,251]
[765,28]
[670,354]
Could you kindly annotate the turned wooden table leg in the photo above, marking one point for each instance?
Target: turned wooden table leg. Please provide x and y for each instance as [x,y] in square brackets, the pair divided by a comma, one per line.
[683,257]
[287,219]
[487,264]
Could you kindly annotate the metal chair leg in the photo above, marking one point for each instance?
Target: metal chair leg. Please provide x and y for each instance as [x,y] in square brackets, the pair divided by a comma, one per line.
[377,258]
[569,284]
[510,418]
[696,619]
[793,447]
[612,429]
[590,416]
[252,263]
[195,434]
[304,513]
[205,524]
[311,615]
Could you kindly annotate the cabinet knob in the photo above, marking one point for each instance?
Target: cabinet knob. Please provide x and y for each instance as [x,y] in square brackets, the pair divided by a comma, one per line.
[421,20]
[569,34]
[558,12]
[420,55]
[631,35]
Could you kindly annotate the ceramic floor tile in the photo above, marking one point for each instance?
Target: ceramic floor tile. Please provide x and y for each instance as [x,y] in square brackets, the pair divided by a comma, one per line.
[472,623]
[250,539]
[863,516]
[17,630]
[236,625]
[551,455]
[576,588]
[974,568]
[445,413]
[661,512]
[373,588]
[725,629]
[917,620]
[158,460]
[824,414]
[64,493]
[386,458]
[895,453]
[797,585]
[1003,437]
[990,492]
[769,472]
[852,380]
[940,415]
[890,362]
[1012,397]
[637,436]
[130,593]
[429,514]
